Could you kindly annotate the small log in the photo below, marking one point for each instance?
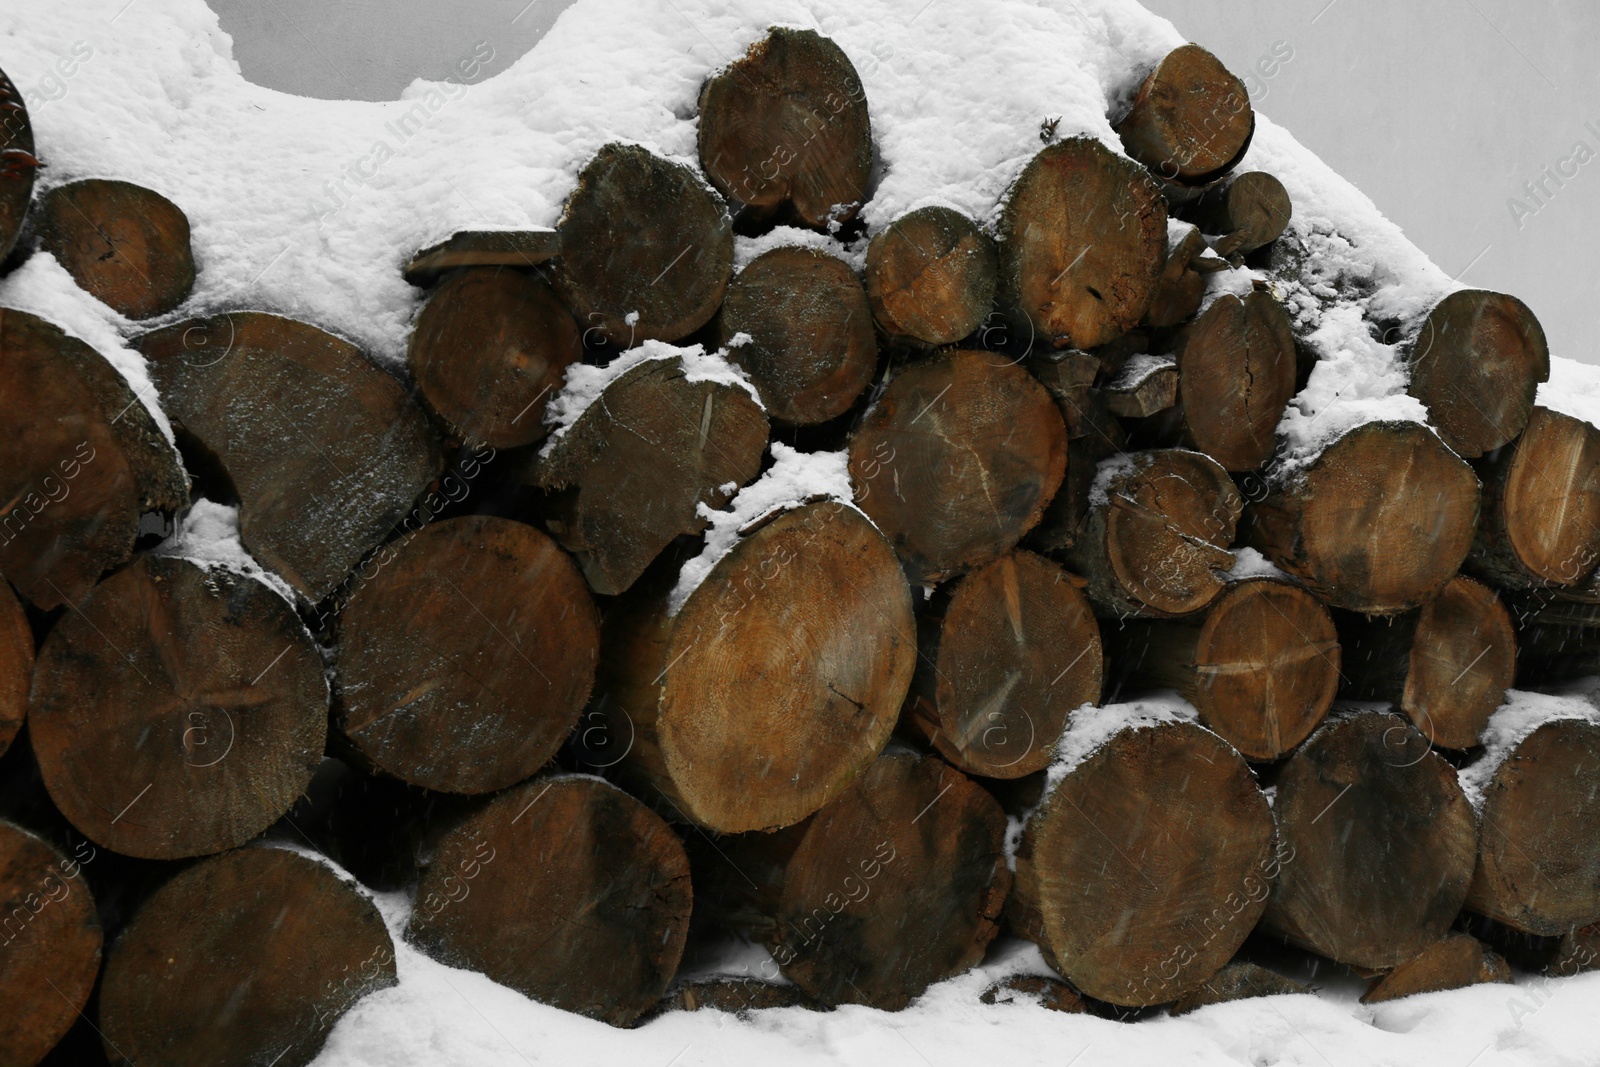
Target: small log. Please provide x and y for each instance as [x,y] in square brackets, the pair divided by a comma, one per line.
[1181,288]
[1540,520]
[811,348]
[86,460]
[784,131]
[49,937]
[1382,841]
[1147,863]
[1191,121]
[1378,523]
[16,665]
[611,883]
[1005,656]
[646,248]
[1247,212]
[1083,237]
[1454,963]
[326,452]
[957,460]
[736,996]
[489,350]
[17,164]
[1446,665]
[481,248]
[1158,530]
[640,461]
[1238,981]
[241,958]
[931,276]
[1046,992]
[128,246]
[1260,664]
[178,711]
[911,845]
[1476,362]
[814,596]
[466,660]
[1144,386]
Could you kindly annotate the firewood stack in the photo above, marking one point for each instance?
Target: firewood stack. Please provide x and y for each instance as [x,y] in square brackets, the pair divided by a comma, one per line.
[666,602]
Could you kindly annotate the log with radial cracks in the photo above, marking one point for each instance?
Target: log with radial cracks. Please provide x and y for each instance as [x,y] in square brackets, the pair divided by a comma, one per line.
[1191,120]
[17,164]
[126,245]
[931,276]
[16,665]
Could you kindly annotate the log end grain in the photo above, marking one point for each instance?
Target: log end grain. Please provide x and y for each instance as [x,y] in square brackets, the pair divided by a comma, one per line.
[931,276]
[1237,374]
[1456,962]
[128,246]
[17,164]
[1191,120]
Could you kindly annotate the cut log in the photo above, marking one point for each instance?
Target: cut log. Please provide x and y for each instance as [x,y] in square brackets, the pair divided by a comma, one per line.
[488,352]
[784,131]
[178,711]
[481,248]
[17,164]
[1005,656]
[1094,434]
[1144,386]
[1247,212]
[1446,664]
[1083,238]
[1540,522]
[1181,288]
[611,886]
[1148,861]
[911,845]
[128,246]
[16,665]
[1382,841]
[811,348]
[646,248]
[811,614]
[1238,981]
[1046,992]
[49,937]
[466,660]
[640,461]
[1378,523]
[86,459]
[1454,963]
[242,958]
[1191,120]
[931,276]
[1260,664]
[1476,362]
[326,452]
[957,461]
[1158,530]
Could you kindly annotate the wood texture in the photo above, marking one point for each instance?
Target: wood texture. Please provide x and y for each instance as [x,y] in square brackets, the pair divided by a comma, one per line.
[1247,212]
[1191,120]
[931,276]
[16,665]
[481,248]
[17,164]
[128,246]
[1456,962]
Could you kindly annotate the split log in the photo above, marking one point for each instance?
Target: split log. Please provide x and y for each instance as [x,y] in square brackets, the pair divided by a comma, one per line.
[1454,963]
[1046,992]
[488,351]
[1181,288]
[178,711]
[646,248]
[1144,386]
[481,248]
[1158,530]
[1147,863]
[325,451]
[638,463]
[86,460]
[1540,522]
[1238,981]
[812,614]
[611,883]
[1476,362]
[17,164]
[784,130]
[16,665]
[811,348]
[49,938]
[1378,522]
[1247,212]
[1446,664]
[467,659]
[1382,841]
[1005,656]
[1191,121]
[242,958]
[1083,237]
[957,460]
[911,845]
[1260,664]
[128,246]
[931,276]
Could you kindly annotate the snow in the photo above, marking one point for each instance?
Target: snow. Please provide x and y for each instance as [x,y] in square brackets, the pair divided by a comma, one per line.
[1573,389]
[1521,714]
[1108,471]
[746,249]
[1089,728]
[1250,563]
[1139,367]
[207,535]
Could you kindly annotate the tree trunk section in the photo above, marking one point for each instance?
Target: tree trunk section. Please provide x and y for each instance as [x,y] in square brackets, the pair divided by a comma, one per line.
[1454,963]
[1144,386]
[1093,434]
[481,248]
[127,246]
[1238,981]
[931,276]
[1249,211]
[17,164]
[16,665]
[1191,120]
[1181,288]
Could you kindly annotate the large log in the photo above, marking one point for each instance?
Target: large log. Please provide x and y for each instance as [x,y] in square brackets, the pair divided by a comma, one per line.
[128,246]
[466,660]
[325,451]
[1006,654]
[1147,863]
[1456,962]
[246,958]
[1378,522]
[931,276]
[784,130]
[17,164]
[610,886]
[16,665]
[811,614]
[1382,838]
[1083,237]
[1191,120]
[1247,212]
[957,460]
[178,711]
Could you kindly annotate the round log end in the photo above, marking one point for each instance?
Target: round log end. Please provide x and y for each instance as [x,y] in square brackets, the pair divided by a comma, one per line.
[1463,658]
[931,276]
[1236,374]
[128,246]
[1191,120]
[1541,518]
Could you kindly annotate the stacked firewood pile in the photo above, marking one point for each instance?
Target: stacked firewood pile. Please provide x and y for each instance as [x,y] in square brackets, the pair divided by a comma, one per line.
[835,603]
